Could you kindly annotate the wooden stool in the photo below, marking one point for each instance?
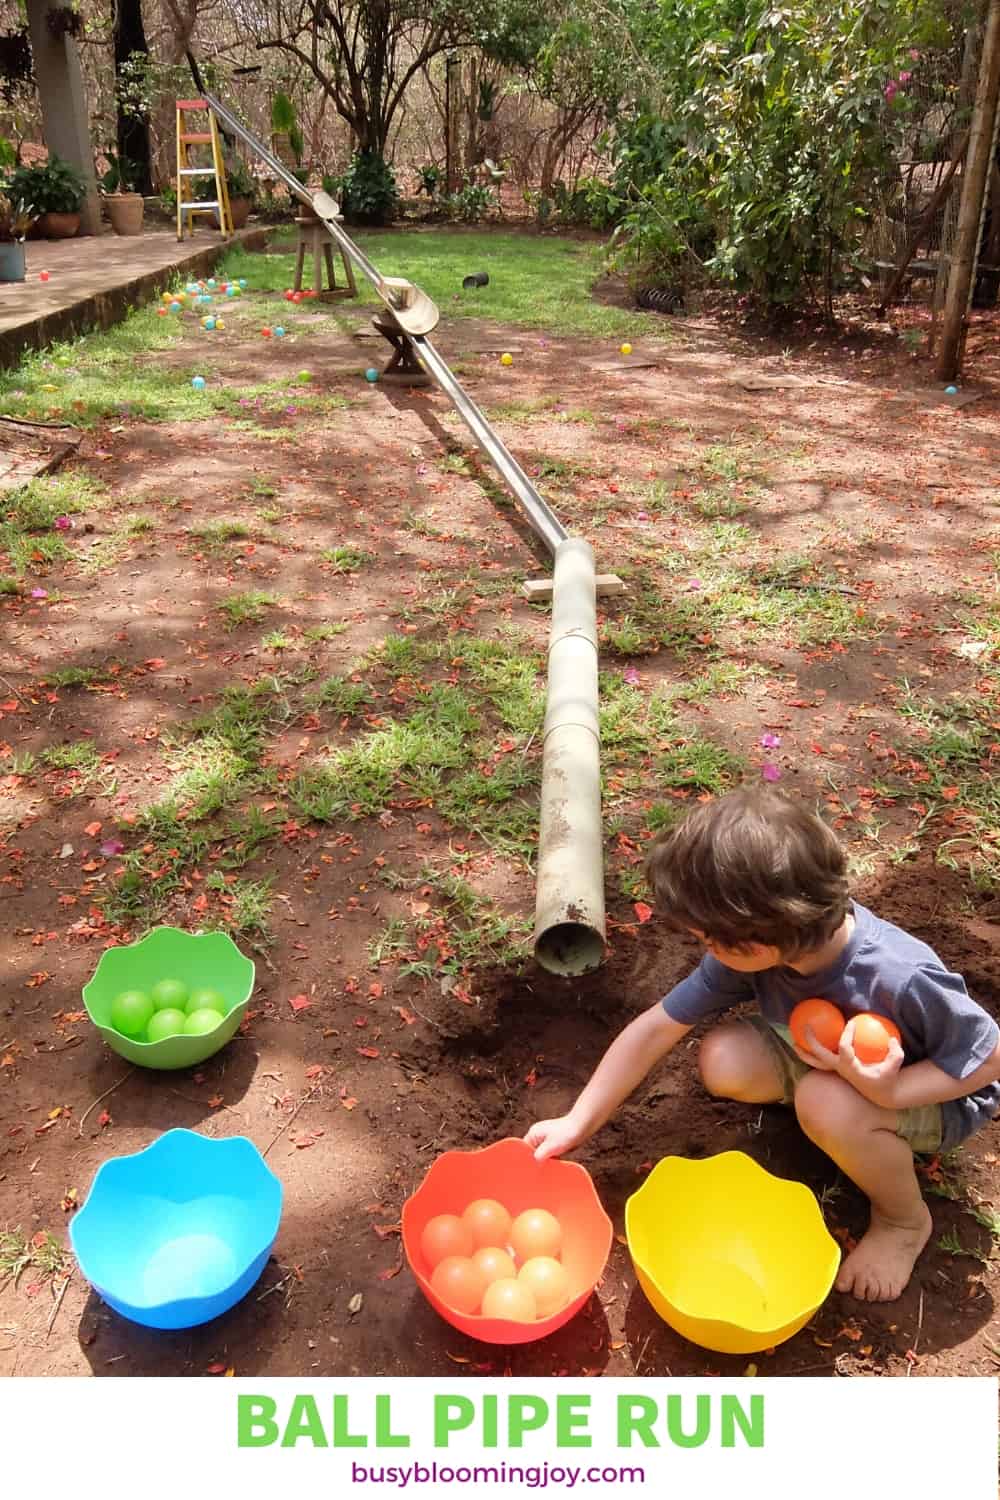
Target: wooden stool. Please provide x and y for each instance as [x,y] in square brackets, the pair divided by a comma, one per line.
[314,236]
[403,367]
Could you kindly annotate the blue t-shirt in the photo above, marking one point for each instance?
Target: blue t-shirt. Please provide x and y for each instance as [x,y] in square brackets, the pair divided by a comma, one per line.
[881,969]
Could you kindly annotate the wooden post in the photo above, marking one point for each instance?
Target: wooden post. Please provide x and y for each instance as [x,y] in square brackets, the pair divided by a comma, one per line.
[970,213]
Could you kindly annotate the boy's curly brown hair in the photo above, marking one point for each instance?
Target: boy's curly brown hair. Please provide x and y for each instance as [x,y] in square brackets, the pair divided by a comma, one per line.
[752,867]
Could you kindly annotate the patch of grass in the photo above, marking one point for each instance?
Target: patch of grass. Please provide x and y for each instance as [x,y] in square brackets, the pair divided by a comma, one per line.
[40,1252]
[695,762]
[313,634]
[22,763]
[215,534]
[537,281]
[952,1245]
[81,755]
[343,696]
[10,586]
[480,935]
[346,559]
[247,906]
[73,677]
[28,516]
[392,940]
[277,640]
[246,608]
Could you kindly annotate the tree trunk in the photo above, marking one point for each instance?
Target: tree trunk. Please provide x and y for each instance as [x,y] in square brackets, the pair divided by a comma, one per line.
[133,130]
[975,180]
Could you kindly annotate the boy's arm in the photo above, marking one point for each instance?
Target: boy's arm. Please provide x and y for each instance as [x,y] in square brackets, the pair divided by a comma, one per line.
[892,1086]
[630,1057]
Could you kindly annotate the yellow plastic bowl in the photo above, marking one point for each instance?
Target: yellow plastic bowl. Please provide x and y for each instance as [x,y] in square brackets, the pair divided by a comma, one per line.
[731,1257]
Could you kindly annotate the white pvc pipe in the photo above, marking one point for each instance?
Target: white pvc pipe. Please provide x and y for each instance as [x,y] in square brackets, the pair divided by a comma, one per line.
[569,900]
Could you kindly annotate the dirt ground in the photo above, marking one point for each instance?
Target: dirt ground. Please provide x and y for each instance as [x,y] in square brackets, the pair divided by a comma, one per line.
[855,457]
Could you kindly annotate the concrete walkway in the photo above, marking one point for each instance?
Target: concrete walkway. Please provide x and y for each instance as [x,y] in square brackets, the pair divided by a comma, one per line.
[94,280]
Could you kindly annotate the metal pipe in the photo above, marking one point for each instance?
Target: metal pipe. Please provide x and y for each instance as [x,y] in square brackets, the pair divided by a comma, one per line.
[545,522]
[569,899]
[569,904]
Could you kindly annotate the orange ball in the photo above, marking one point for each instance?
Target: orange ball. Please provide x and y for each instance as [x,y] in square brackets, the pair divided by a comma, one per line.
[871,1037]
[535,1232]
[548,1281]
[488,1221]
[509,1298]
[495,1263]
[445,1235]
[459,1283]
[824,1020]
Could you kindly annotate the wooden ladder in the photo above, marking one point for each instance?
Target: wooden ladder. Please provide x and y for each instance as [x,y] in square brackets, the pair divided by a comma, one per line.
[187,205]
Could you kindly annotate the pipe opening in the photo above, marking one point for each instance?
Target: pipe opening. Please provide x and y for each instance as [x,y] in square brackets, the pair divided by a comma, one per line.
[570,948]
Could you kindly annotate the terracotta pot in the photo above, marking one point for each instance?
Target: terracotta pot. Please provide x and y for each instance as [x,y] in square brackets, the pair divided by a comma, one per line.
[125,211]
[58,226]
[240,210]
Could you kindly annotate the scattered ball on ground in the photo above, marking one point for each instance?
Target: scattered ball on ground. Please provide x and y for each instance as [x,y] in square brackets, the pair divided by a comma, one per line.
[535,1232]
[279,333]
[371,376]
[459,1283]
[487,1221]
[165,1023]
[506,359]
[304,376]
[131,1011]
[951,390]
[548,1282]
[169,994]
[445,1235]
[201,1021]
[219,323]
[626,348]
[265,333]
[198,382]
[43,275]
[509,1298]
[243,282]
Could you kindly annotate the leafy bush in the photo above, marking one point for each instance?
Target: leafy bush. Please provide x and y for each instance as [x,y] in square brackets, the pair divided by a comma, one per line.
[592,204]
[369,192]
[431,178]
[53,187]
[121,175]
[471,204]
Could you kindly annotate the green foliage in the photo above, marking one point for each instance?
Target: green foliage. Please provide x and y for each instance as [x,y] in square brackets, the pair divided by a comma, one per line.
[759,157]
[52,187]
[283,118]
[369,192]
[431,178]
[471,204]
[592,204]
[121,176]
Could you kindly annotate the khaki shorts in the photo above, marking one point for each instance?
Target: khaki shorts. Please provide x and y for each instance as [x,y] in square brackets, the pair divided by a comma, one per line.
[922,1129]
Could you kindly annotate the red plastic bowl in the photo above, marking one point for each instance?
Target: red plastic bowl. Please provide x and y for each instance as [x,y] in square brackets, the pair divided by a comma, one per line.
[508,1171]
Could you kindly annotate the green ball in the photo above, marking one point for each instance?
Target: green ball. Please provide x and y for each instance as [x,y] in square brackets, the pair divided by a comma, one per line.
[304,377]
[201,1021]
[169,994]
[166,1023]
[205,998]
[130,1012]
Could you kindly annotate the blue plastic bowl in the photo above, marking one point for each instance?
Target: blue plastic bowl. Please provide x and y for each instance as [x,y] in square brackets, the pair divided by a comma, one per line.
[176,1234]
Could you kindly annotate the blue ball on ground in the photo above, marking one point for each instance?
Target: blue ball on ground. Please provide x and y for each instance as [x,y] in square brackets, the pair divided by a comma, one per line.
[198,382]
[951,390]
[279,333]
[371,376]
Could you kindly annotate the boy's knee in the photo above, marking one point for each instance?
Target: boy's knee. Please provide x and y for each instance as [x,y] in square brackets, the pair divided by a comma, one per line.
[723,1062]
[827,1108]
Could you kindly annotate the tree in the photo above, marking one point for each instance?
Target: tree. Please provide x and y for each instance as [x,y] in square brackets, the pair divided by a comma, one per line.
[364,54]
[131,49]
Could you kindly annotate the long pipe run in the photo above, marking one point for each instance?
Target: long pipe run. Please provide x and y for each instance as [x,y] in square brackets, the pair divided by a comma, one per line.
[569,902]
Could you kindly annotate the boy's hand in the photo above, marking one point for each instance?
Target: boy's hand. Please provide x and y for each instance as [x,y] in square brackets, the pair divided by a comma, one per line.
[875,1082]
[553,1137]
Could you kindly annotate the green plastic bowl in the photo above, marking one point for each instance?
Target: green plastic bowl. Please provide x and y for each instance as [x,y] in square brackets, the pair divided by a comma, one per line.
[204,959]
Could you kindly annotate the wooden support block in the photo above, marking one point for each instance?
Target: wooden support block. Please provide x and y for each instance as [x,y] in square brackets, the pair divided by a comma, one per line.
[541,588]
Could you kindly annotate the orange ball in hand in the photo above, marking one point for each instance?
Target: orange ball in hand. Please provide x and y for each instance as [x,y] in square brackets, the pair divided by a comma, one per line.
[535,1232]
[509,1298]
[823,1019]
[459,1283]
[488,1222]
[445,1235]
[871,1037]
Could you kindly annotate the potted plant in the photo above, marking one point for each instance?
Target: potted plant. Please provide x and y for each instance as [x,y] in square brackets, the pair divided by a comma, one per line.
[57,191]
[125,206]
[242,190]
[16,218]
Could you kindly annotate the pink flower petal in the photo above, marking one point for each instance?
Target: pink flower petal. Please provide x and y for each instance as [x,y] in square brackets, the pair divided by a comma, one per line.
[111,846]
[62,523]
[770,741]
[631,676]
[39,594]
[770,772]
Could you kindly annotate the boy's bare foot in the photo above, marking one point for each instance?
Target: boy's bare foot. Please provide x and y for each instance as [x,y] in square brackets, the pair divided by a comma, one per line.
[880,1267]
